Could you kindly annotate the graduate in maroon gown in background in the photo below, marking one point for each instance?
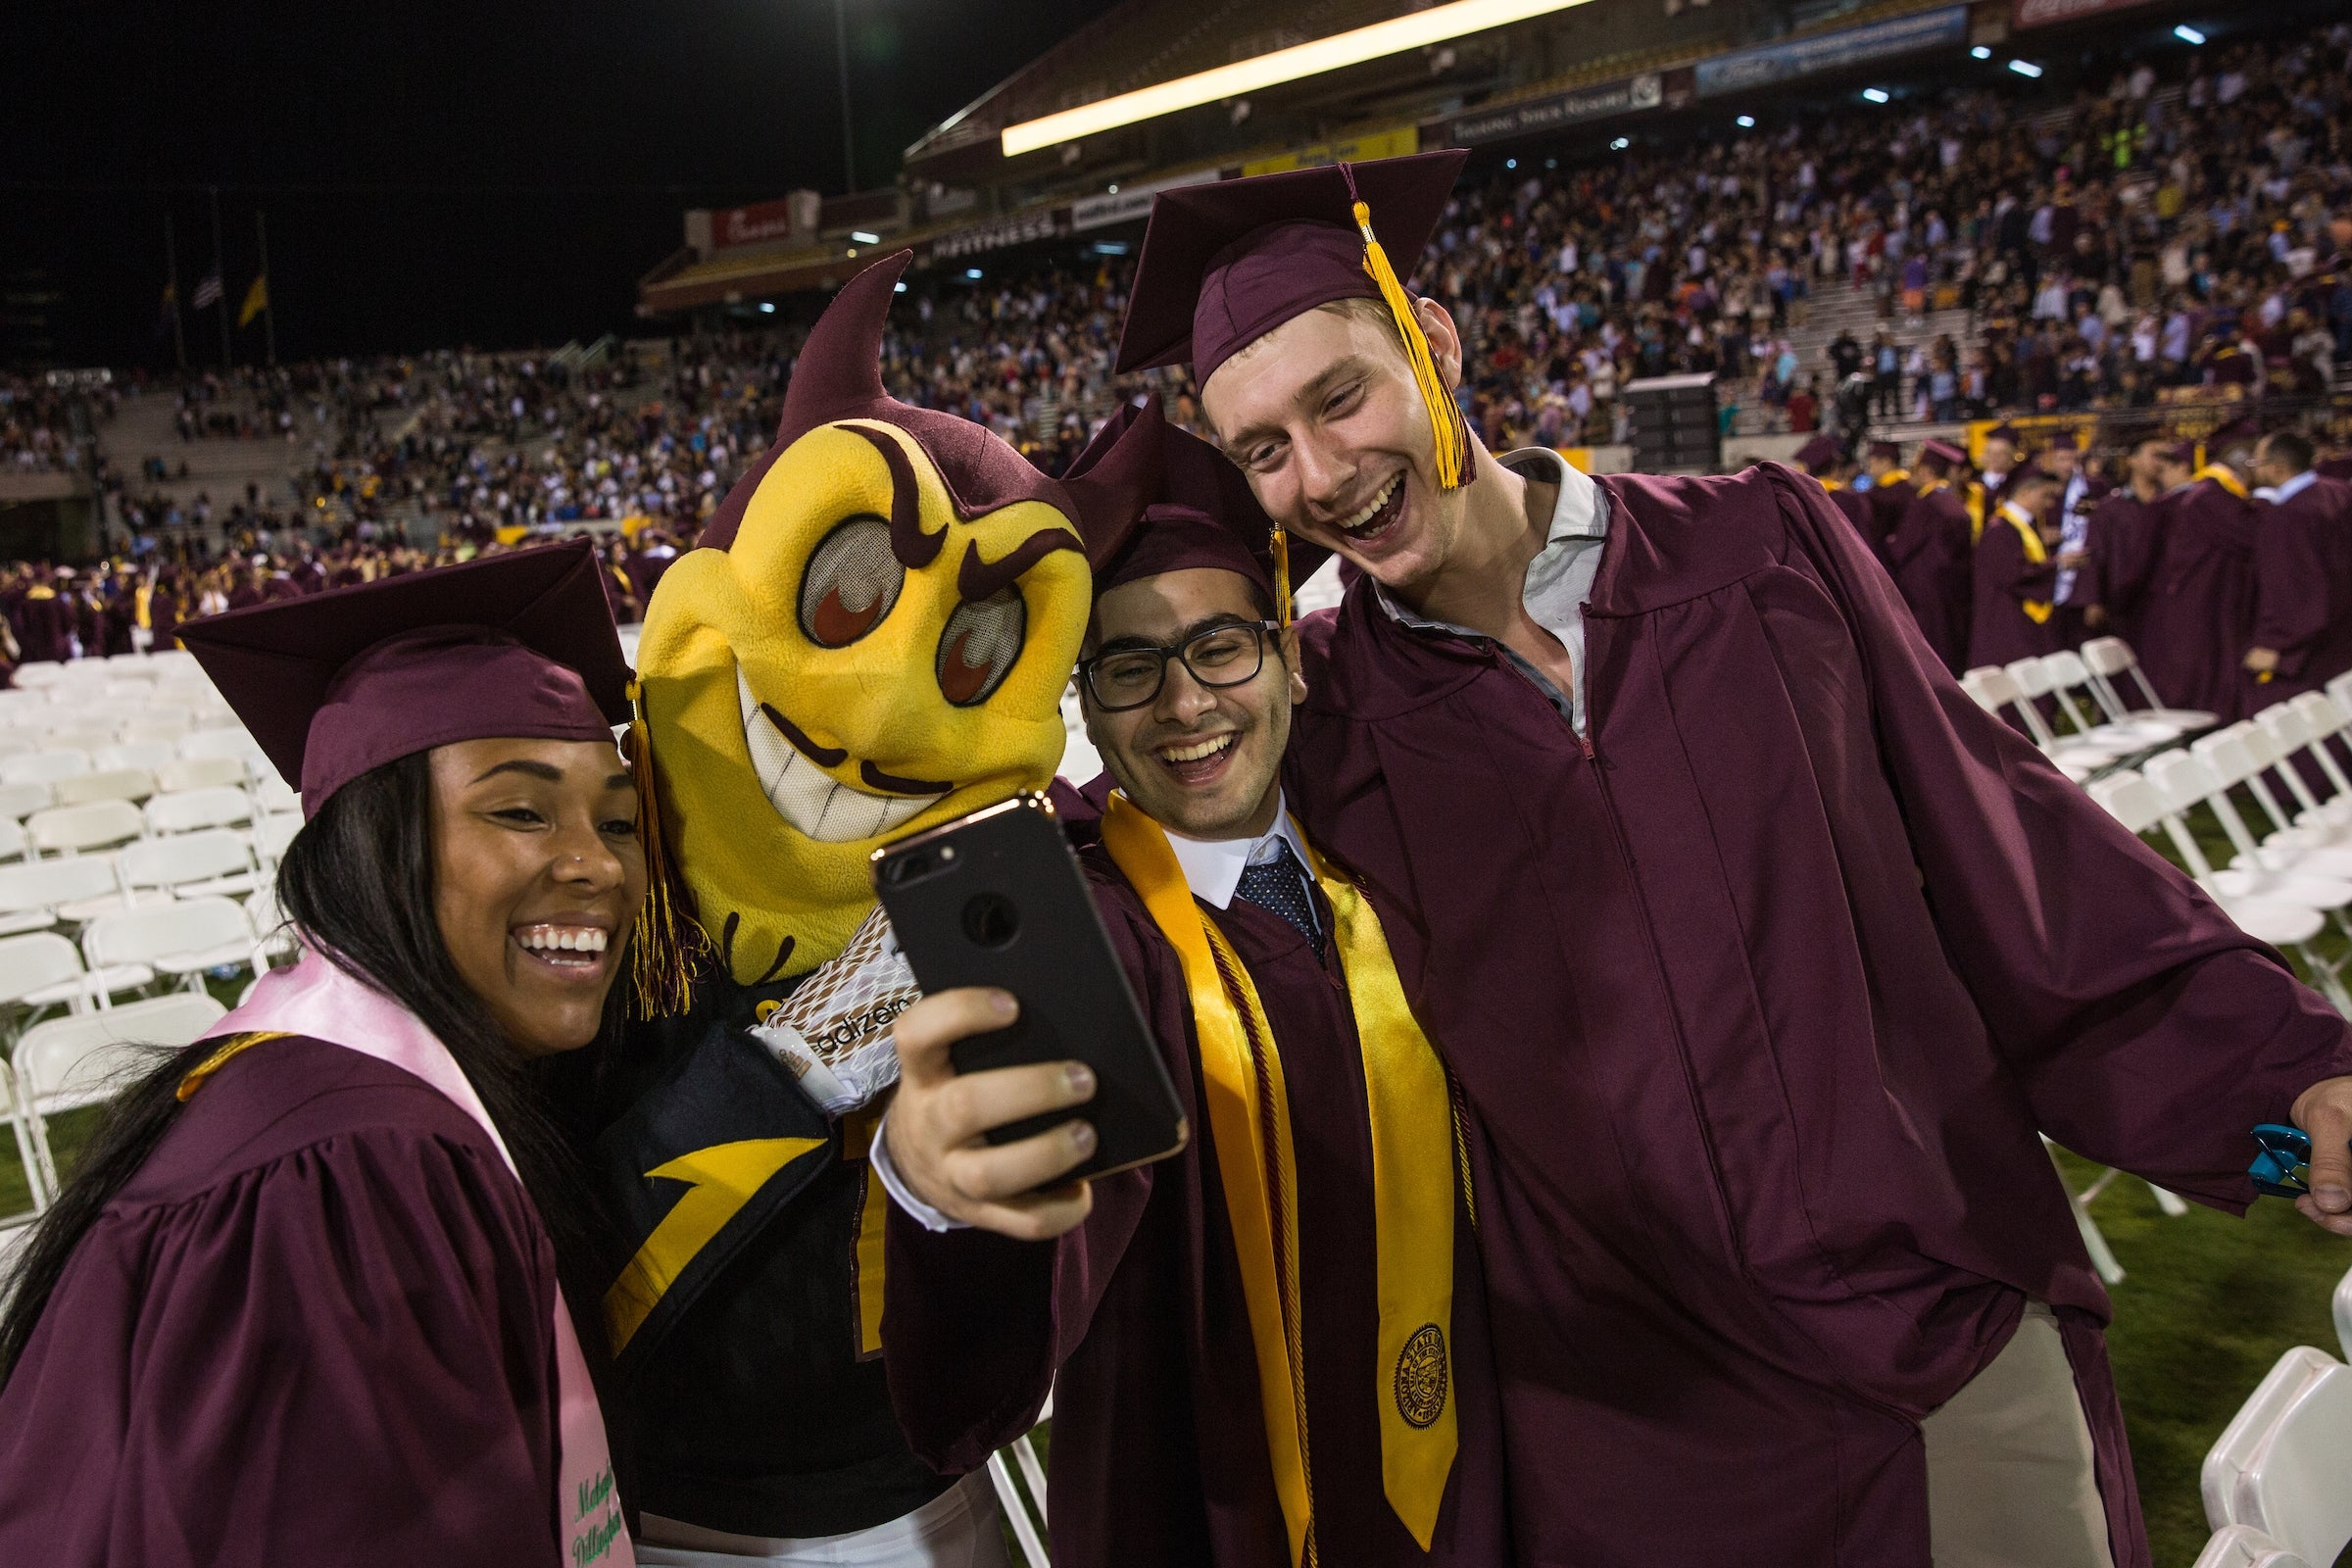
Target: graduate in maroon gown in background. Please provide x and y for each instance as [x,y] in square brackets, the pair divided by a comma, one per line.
[1162,1445]
[2302,575]
[1824,460]
[299,1303]
[2015,572]
[2197,618]
[1758,952]
[2120,546]
[1930,554]
[1891,492]
[44,622]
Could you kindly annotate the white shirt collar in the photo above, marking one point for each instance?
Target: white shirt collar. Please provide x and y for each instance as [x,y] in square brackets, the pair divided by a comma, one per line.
[2295,487]
[1212,868]
[1577,515]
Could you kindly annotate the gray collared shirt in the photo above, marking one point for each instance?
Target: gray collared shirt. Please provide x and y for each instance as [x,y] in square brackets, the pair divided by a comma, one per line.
[1559,581]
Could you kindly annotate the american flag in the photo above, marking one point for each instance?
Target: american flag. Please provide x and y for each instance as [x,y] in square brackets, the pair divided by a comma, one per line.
[206,295]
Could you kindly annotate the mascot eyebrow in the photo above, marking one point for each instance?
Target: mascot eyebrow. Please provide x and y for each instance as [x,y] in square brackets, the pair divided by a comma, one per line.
[976,580]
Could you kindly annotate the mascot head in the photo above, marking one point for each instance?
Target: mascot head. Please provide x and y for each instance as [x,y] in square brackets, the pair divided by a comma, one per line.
[871,638]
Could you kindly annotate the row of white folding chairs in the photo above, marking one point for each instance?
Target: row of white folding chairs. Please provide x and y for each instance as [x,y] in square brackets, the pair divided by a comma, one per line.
[2274,1484]
[50,764]
[159,664]
[89,724]
[81,1060]
[74,889]
[133,782]
[2102,728]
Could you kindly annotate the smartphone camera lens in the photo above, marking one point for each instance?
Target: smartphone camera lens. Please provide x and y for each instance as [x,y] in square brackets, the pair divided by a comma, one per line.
[990,920]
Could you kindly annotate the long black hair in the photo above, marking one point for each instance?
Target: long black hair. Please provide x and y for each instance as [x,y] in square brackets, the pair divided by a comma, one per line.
[356,884]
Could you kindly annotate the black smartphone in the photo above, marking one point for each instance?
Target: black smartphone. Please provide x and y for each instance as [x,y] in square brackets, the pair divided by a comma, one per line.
[996,899]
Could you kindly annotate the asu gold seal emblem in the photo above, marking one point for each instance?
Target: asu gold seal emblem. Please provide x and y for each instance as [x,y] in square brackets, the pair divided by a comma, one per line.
[1421,1376]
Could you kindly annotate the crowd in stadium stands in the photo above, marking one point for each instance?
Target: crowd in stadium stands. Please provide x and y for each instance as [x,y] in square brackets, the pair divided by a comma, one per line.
[2178,233]
[36,427]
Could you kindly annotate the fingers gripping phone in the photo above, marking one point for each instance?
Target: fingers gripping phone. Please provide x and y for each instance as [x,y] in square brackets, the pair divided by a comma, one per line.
[996,899]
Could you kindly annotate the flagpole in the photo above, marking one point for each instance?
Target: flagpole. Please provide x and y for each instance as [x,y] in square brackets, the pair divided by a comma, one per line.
[220,271]
[261,240]
[179,337]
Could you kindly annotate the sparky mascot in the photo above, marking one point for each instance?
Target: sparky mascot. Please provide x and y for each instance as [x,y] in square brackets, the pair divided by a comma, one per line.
[872,638]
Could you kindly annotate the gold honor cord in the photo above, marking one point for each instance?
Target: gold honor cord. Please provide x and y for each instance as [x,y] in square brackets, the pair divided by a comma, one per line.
[2038,611]
[1411,1113]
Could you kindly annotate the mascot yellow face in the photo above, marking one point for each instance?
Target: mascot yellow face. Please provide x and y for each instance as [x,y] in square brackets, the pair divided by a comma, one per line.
[873,639]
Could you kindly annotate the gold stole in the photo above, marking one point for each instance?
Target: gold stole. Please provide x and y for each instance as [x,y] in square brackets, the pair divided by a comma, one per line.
[1408,1100]
[1892,476]
[2221,476]
[2038,611]
[1975,501]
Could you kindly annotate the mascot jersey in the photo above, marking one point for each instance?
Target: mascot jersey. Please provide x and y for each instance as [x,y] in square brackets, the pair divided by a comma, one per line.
[872,638]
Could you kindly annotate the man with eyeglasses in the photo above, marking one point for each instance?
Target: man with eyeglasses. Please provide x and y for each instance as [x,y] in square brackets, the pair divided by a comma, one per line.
[1269,1349]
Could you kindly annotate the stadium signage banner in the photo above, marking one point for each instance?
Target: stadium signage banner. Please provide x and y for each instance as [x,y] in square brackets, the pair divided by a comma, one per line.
[764,223]
[1832,51]
[1633,93]
[1131,202]
[994,236]
[2049,12]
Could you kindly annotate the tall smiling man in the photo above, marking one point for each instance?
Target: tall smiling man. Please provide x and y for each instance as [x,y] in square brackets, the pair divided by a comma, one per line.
[1760,952]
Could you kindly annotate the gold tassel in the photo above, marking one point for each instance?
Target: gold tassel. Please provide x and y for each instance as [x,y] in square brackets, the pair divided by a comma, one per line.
[1281,576]
[669,939]
[1445,415]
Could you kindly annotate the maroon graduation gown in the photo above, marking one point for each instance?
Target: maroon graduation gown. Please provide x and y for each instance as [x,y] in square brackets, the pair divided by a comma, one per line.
[2004,580]
[315,1327]
[1760,999]
[43,625]
[1159,1457]
[2120,555]
[1887,504]
[1928,556]
[1855,507]
[2303,590]
[2197,620]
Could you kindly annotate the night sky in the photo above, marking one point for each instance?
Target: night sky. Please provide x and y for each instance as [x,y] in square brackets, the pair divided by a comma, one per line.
[497,174]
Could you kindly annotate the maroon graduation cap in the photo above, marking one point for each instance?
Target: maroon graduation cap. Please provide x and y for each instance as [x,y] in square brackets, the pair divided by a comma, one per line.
[1200,512]
[1944,452]
[1820,453]
[1224,263]
[338,683]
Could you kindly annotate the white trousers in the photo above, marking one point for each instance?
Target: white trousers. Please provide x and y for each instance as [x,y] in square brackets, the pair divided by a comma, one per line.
[960,1528]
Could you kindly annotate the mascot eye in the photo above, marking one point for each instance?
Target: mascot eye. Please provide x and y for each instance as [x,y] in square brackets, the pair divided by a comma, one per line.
[980,645]
[851,582]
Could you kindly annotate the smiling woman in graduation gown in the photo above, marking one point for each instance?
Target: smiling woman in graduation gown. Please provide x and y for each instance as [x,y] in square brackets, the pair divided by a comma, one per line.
[302,1303]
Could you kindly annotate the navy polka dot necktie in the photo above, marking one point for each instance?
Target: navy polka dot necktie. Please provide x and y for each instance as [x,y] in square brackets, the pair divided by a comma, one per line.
[1279,886]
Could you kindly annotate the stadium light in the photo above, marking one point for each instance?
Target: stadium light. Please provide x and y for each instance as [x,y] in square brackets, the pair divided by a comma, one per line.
[1621,144]
[2024,67]
[1510,163]
[1878,95]
[973,273]
[863,238]
[900,289]
[1746,122]
[767,307]
[1981,52]
[1397,35]
[2188,35]
[1111,247]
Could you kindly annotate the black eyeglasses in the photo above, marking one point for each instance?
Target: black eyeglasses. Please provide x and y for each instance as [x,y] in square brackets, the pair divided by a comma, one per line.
[1227,655]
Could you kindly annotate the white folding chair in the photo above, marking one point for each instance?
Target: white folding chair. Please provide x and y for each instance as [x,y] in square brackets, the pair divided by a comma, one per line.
[2279,1466]
[16,743]
[2069,674]
[201,773]
[2186,780]
[36,895]
[11,839]
[186,810]
[2107,658]
[169,662]
[226,742]
[79,829]
[78,1060]
[2300,728]
[1994,689]
[19,1119]
[159,721]
[90,742]
[212,863]
[42,969]
[274,795]
[19,801]
[2242,753]
[2244,1546]
[185,938]
[2343,1312]
[272,937]
[43,767]
[1028,1527]
[2135,802]
[272,833]
[113,784]
[39,673]
[148,755]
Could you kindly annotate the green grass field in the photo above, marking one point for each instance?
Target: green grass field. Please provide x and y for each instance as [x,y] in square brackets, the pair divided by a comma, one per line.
[2209,1304]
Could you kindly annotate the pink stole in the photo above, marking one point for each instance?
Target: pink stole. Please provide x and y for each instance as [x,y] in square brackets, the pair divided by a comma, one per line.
[316,999]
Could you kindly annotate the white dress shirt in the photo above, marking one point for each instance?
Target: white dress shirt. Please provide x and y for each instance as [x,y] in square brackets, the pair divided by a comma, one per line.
[1212,869]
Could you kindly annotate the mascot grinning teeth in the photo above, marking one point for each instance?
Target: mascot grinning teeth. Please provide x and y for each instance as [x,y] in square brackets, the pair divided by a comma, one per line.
[872,637]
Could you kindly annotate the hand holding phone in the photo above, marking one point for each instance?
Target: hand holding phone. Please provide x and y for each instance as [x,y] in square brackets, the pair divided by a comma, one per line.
[939,1124]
